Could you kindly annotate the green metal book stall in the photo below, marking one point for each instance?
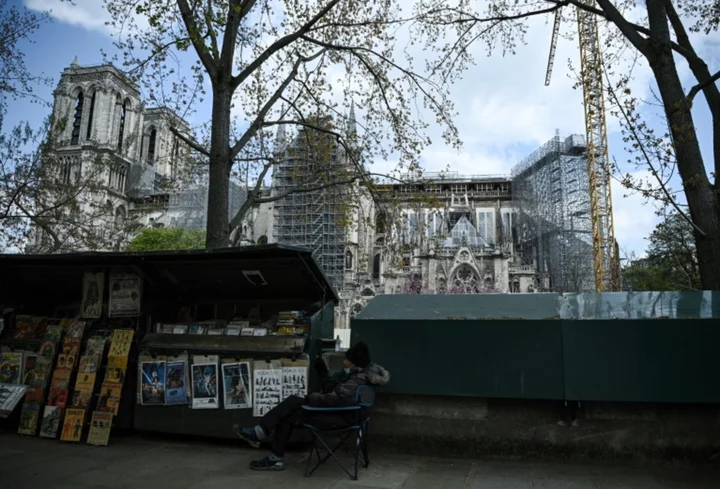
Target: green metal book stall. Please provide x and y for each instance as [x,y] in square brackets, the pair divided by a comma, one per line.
[193,342]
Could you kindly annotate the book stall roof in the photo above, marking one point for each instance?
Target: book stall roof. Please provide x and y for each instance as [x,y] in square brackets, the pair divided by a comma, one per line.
[253,272]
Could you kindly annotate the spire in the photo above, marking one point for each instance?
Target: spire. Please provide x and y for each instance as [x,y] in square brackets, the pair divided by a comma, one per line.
[352,122]
[75,63]
[281,138]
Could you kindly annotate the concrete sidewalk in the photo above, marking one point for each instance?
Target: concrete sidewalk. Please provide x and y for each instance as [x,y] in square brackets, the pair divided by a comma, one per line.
[138,463]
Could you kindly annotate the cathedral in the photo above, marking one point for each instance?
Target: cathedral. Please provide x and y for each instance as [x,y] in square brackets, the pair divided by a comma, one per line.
[438,234]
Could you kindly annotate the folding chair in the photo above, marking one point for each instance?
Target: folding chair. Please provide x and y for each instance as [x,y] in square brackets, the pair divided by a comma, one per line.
[364,398]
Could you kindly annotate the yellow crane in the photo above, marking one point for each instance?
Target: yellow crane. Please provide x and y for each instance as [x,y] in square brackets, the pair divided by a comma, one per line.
[605,261]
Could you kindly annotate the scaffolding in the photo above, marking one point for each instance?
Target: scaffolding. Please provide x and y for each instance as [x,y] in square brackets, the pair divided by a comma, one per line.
[554,229]
[313,219]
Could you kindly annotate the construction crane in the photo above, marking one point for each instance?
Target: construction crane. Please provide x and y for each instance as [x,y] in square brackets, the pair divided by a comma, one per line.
[605,262]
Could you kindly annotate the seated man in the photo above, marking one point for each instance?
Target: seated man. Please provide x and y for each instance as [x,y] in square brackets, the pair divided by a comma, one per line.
[337,390]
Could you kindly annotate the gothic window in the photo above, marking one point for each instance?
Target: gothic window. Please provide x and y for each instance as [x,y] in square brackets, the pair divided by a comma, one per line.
[486,226]
[120,216]
[435,223]
[91,115]
[356,308]
[121,130]
[77,120]
[348,260]
[151,146]
[376,266]
[516,286]
[380,222]
[464,234]
[465,281]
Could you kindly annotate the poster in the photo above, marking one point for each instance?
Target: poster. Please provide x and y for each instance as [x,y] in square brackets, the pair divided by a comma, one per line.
[267,390]
[115,370]
[74,330]
[81,399]
[121,342]
[41,373]
[100,428]
[11,364]
[29,419]
[85,382]
[205,386]
[73,425]
[61,379]
[109,400]
[153,383]
[10,396]
[66,361]
[95,346]
[29,369]
[89,363]
[25,327]
[175,383]
[294,381]
[125,294]
[236,385]
[58,396]
[52,417]
[35,395]
[92,295]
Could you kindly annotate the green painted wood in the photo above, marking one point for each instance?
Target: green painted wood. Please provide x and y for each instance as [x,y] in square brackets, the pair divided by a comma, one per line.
[481,358]
[672,360]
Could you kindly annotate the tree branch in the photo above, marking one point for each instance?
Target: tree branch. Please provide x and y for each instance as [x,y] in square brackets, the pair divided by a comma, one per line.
[280,44]
[197,147]
[702,86]
[207,60]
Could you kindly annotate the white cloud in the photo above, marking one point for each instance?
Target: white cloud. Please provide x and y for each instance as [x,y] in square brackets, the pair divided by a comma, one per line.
[89,14]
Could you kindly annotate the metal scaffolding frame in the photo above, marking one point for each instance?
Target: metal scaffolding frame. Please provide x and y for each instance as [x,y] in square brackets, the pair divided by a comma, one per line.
[314,219]
[554,227]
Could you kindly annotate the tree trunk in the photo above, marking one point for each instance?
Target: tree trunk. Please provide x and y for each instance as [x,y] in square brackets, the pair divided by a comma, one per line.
[218,227]
[701,198]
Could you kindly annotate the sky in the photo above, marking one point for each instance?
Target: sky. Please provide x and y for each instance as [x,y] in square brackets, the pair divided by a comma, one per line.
[505,111]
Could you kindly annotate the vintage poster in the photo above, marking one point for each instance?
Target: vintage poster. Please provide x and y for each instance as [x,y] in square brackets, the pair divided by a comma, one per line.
[48,349]
[29,419]
[74,330]
[25,327]
[10,396]
[35,395]
[175,383]
[152,376]
[29,368]
[85,382]
[81,399]
[61,378]
[66,361]
[236,385]
[73,425]
[100,428]
[92,300]
[295,378]
[57,396]
[205,386]
[267,389]
[54,332]
[109,400]
[121,342]
[95,346]
[115,370]
[125,295]
[52,417]
[11,364]
[89,363]
[41,374]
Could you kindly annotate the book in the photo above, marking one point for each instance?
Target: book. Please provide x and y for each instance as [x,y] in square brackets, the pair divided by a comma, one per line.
[10,396]
[100,426]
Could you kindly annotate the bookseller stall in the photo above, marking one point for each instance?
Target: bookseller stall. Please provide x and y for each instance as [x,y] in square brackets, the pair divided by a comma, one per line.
[166,341]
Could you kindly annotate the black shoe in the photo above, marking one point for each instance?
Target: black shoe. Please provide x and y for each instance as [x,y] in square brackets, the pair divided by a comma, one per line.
[267,464]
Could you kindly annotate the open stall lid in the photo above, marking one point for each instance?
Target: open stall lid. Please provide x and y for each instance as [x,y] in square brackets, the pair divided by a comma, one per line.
[253,272]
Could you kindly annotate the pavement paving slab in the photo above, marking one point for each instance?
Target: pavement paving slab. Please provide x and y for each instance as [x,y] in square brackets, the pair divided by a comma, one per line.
[154,463]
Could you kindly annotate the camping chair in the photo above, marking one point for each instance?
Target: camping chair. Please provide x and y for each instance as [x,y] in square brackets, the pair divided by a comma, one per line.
[364,397]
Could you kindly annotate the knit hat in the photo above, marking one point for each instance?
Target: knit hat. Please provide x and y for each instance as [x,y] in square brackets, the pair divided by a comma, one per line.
[359,355]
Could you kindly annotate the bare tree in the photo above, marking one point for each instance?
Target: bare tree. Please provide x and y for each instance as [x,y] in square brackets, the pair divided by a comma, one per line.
[662,39]
[257,55]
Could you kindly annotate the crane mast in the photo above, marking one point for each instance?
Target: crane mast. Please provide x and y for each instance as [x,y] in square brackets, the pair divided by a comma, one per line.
[601,212]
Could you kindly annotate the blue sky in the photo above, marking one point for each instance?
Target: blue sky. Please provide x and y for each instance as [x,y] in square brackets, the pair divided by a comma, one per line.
[505,111]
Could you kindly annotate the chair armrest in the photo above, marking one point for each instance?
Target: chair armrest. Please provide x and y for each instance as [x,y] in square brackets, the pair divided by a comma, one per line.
[331,409]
